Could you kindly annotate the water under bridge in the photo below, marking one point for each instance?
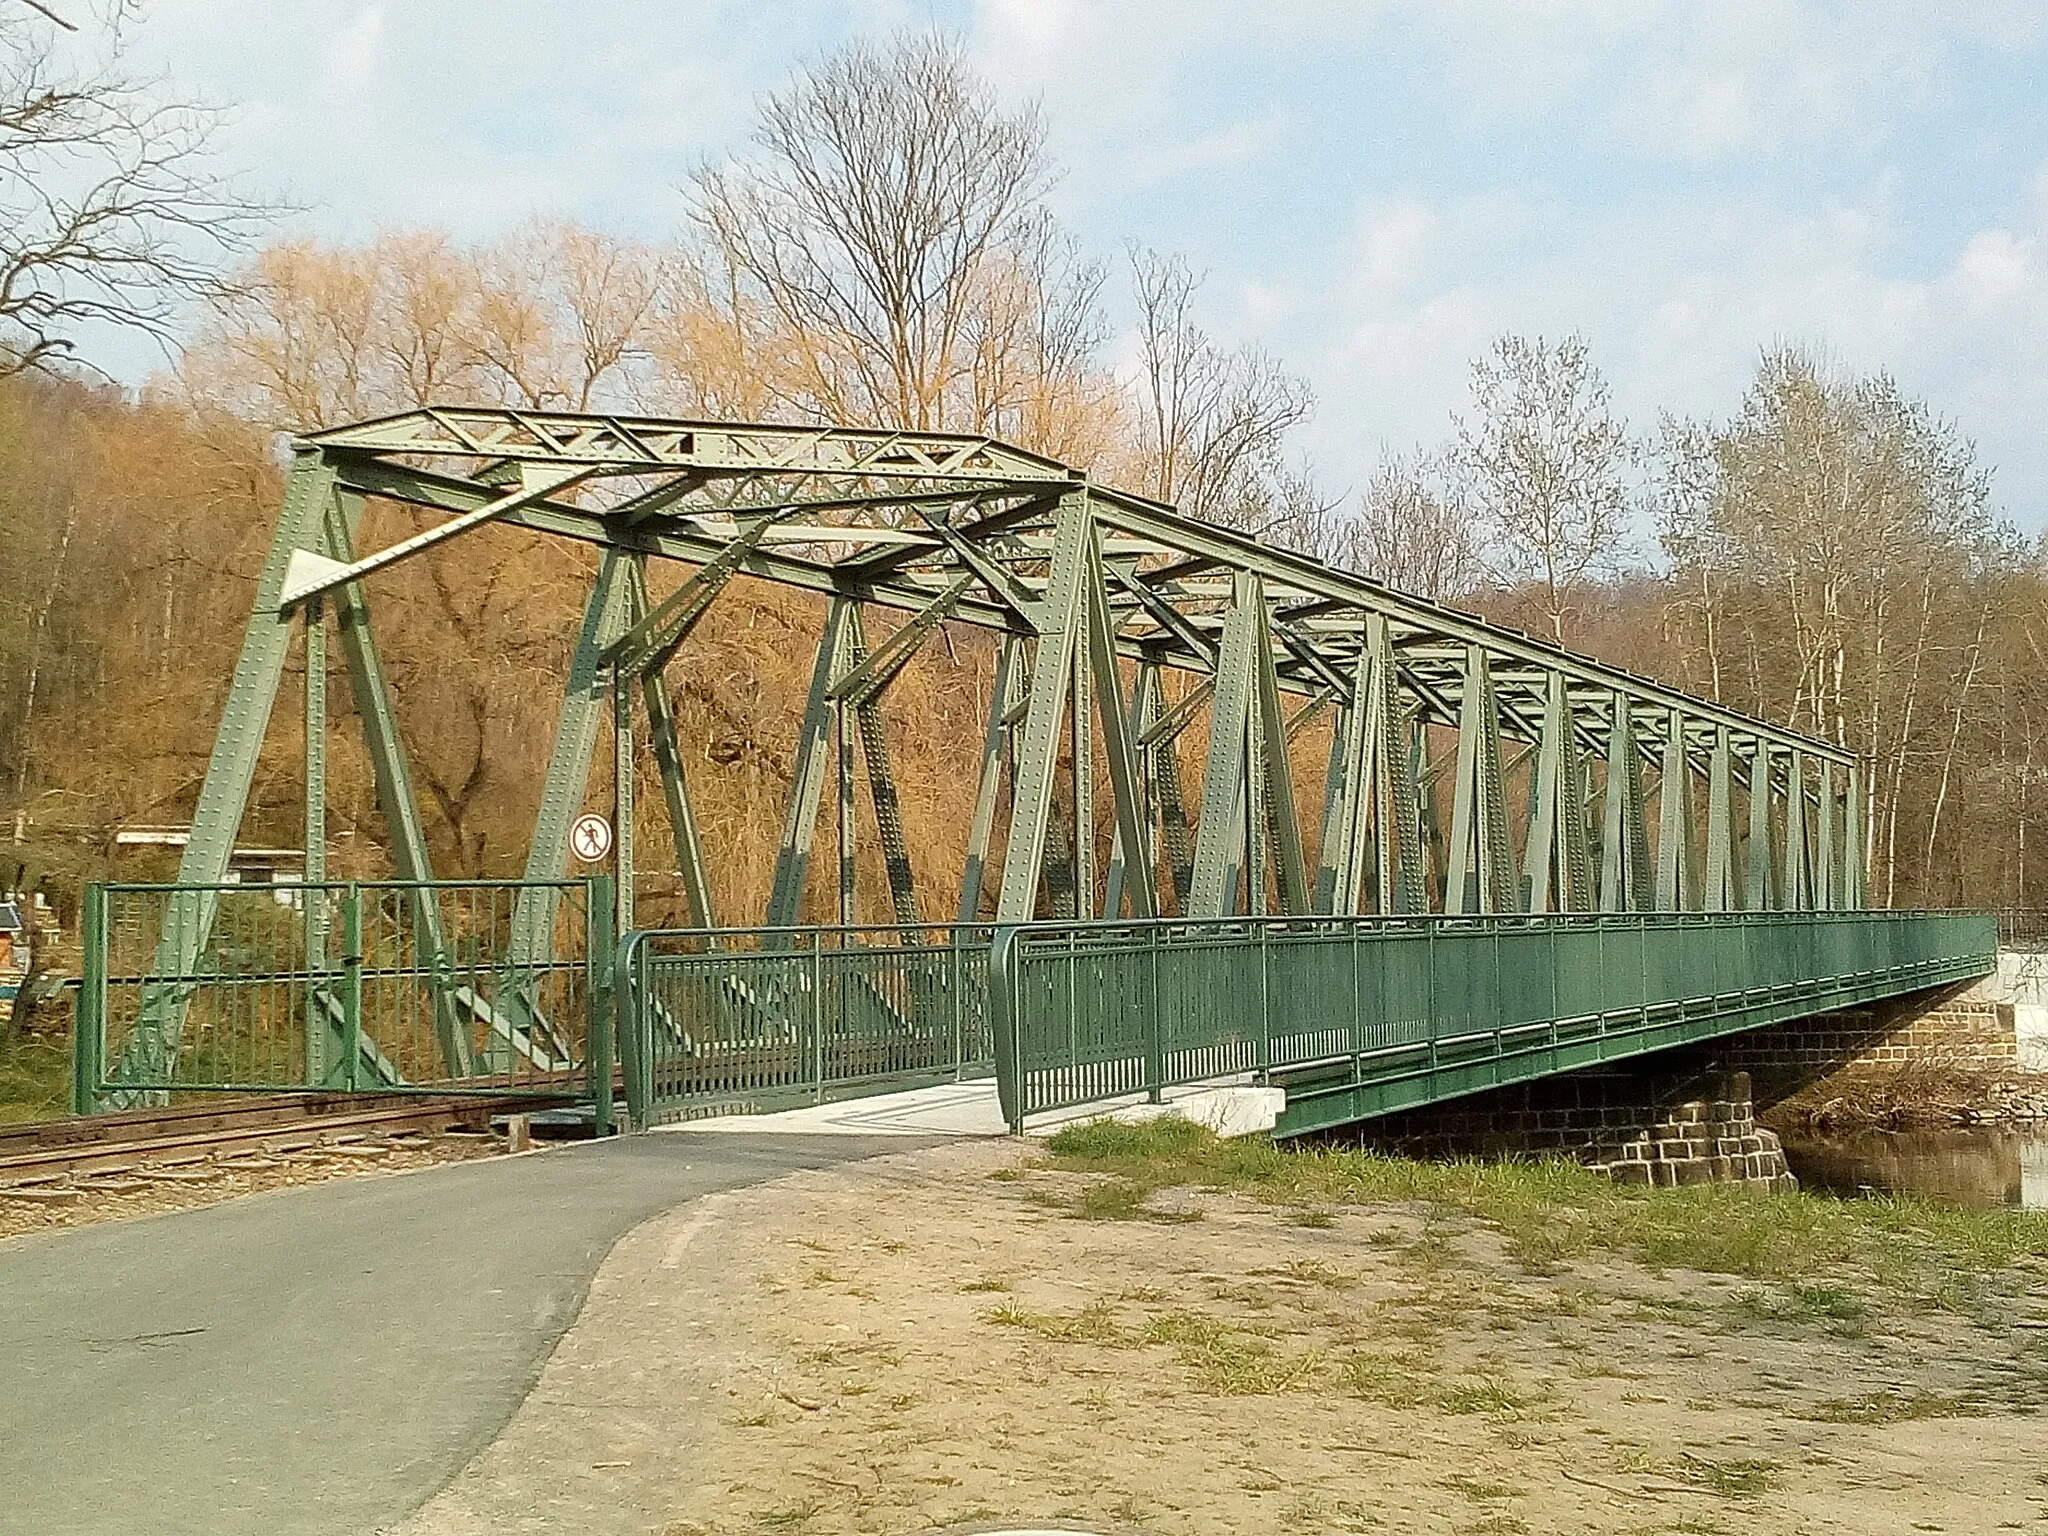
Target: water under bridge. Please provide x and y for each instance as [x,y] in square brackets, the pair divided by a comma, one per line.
[1230,811]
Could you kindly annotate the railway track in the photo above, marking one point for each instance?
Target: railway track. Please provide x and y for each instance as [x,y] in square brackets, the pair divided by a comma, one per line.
[128,1140]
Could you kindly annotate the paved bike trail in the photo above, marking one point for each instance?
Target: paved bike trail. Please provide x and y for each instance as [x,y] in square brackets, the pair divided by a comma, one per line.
[321,1359]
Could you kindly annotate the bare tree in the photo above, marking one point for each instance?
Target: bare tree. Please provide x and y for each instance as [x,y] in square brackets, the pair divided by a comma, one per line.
[111,210]
[1411,530]
[1543,460]
[1215,420]
[890,189]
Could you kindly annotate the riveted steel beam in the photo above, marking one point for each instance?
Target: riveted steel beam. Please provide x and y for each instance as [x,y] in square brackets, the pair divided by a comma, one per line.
[1675,885]
[1219,833]
[807,781]
[989,784]
[1720,891]
[1120,748]
[1758,891]
[1059,629]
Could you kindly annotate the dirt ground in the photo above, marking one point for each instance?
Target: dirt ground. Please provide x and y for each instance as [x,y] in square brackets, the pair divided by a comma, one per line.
[150,1189]
[938,1339]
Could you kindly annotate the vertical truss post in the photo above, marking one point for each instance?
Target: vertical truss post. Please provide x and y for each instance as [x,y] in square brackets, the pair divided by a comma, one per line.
[1825,873]
[1220,833]
[1546,814]
[1675,891]
[1081,762]
[807,778]
[1720,892]
[1059,625]
[622,801]
[1251,839]
[842,756]
[1393,742]
[1855,842]
[1798,892]
[1281,821]
[318,1057]
[1556,862]
[1624,844]
[1480,876]
[989,785]
[1118,741]
[1757,893]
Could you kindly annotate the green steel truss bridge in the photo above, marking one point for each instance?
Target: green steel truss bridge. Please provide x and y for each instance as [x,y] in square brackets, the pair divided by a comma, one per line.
[1520,860]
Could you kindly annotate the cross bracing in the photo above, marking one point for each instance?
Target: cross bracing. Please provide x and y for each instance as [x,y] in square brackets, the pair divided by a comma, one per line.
[1469,768]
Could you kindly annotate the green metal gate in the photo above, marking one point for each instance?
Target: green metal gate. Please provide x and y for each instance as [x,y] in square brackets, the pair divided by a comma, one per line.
[384,986]
[768,1018]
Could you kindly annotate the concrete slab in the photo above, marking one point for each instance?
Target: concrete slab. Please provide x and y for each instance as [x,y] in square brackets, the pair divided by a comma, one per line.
[1231,1107]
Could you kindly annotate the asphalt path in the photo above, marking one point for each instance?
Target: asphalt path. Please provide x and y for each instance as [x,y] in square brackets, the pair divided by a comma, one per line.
[320,1359]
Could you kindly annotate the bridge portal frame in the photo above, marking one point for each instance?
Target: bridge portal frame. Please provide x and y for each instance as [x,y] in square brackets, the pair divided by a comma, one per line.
[1100,597]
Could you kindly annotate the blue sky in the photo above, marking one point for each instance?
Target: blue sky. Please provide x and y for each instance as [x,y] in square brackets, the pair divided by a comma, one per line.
[1376,188]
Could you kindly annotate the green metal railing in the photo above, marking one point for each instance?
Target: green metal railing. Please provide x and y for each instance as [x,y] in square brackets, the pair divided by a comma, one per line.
[762,1018]
[1359,1017]
[357,986]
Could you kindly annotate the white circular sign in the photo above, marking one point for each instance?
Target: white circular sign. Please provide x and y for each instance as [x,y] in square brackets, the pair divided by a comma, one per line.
[591,837]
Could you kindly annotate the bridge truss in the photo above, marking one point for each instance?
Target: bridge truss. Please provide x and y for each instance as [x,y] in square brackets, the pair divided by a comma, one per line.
[1471,769]
[1637,797]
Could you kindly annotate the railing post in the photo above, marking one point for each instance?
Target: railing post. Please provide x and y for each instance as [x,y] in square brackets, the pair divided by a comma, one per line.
[1002,1007]
[818,1015]
[599,980]
[89,1026]
[352,985]
[1155,1027]
[1265,1010]
[957,985]
[630,1032]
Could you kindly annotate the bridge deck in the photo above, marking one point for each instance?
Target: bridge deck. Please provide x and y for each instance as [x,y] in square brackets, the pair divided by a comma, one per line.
[1355,1017]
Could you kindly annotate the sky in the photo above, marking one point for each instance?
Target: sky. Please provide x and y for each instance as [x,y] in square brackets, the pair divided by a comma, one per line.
[1376,189]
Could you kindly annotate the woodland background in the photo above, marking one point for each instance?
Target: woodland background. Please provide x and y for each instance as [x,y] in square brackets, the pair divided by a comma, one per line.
[1827,552]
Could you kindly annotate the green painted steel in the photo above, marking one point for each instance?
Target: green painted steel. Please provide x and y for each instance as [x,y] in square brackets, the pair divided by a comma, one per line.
[1359,1017]
[765,1018]
[244,990]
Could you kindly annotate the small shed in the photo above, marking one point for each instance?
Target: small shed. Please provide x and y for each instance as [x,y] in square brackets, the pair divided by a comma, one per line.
[13,939]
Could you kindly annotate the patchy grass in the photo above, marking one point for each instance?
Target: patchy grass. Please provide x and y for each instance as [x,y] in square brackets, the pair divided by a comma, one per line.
[1480,1491]
[1550,1212]
[35,1078]
[791,1517]
[1491,1395]
[1095,1323]
[1226,1360]
[1891,1408]
[1733,1479]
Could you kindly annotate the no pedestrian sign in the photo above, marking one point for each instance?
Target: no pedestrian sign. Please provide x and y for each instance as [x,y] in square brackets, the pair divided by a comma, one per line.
[590,839]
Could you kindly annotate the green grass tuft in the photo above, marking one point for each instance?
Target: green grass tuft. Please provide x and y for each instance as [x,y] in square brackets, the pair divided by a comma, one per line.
[35,1079]
[1832,1258]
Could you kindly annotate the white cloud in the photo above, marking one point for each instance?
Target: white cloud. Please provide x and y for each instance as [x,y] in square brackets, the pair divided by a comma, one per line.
[1677,308]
